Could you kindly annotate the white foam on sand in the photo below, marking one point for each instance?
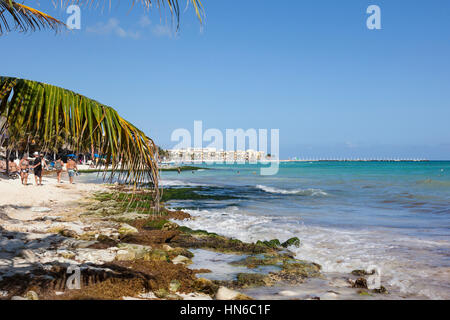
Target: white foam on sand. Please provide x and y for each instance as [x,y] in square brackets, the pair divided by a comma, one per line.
[409,266]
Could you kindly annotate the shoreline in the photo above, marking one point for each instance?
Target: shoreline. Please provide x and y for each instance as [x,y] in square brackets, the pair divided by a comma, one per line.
[61,225]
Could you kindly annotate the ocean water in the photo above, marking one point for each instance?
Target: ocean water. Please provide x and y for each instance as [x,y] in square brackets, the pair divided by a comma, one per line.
[394,216]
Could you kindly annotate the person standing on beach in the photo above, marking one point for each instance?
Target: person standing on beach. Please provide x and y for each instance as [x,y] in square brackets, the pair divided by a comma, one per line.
[59,166]
[71,167]
[24,165]
[13,168]
[38,165]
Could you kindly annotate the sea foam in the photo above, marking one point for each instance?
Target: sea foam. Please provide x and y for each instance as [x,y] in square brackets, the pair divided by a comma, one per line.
[302,192]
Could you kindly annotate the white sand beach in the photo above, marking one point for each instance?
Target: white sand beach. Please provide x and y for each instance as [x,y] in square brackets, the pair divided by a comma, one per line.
[17,199]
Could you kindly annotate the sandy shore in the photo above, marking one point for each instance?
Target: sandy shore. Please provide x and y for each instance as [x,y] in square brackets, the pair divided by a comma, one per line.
[16,199]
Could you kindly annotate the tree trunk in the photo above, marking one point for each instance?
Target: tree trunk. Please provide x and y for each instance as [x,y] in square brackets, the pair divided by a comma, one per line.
[8,153]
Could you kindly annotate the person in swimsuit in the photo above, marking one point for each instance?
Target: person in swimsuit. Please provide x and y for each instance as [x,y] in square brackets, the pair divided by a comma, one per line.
[24,165]
[13,169]
[38,165]
[59,166]
[71,167]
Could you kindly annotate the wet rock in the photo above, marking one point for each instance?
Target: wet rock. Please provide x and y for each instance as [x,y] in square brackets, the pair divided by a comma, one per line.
[156,255]
[291,242]
[294,273]
[201,239]
[68,233]
[126,229]
[301,268]
[205,286]
[274,243]
[181,251]
[159,224]
[360,283]
[381,290]
[96,256]
[125,255]
[360,273]
[247,280]
[164,294]
[168,226]
[227,294]
[140,251]
[181,259]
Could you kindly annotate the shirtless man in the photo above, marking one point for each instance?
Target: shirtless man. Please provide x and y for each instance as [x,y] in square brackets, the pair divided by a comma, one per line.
[13,168]
[24,165]
[71,167]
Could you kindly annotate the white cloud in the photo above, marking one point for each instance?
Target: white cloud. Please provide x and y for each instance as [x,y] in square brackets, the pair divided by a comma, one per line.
[162,31]
[144,21]
[112,27]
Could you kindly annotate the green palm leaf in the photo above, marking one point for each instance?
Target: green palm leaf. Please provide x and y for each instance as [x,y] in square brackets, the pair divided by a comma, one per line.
[50,114]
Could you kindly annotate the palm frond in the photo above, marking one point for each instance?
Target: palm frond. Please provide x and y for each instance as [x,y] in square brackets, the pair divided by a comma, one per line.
[173,6]
[16,16]
[48,114]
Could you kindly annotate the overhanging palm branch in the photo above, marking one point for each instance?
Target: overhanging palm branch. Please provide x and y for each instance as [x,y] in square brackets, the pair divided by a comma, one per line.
[16,16]
[48,113]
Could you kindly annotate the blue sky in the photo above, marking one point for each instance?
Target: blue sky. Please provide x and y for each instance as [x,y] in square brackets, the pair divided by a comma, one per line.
[309,68]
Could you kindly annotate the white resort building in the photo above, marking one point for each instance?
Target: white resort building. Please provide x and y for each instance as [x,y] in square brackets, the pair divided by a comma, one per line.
[213,155]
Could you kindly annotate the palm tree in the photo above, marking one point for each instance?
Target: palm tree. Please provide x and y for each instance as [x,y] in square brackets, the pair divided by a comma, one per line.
[46,113]
[17,16]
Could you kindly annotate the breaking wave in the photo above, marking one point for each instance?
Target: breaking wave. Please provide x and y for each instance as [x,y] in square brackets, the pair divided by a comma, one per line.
[302,192]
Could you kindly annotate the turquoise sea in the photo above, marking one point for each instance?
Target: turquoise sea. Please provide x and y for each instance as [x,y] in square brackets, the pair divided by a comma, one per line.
[348,215]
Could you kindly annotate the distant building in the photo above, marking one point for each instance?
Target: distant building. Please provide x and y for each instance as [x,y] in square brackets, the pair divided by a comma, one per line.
[213,155]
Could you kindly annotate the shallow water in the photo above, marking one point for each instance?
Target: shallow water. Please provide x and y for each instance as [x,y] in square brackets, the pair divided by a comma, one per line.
[348,215]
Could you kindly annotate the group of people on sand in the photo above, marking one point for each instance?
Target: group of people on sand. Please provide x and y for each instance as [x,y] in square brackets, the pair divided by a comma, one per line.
[38,164]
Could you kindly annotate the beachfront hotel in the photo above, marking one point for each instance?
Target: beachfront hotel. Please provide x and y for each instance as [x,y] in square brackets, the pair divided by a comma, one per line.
[212,154]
